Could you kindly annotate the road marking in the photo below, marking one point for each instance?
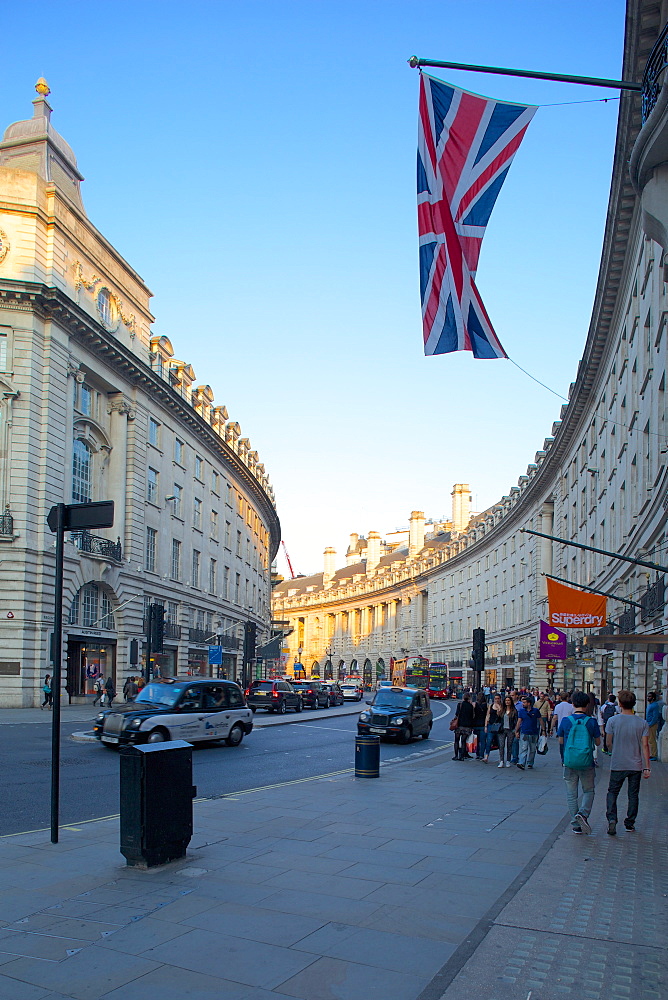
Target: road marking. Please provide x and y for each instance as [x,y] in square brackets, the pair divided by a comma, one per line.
[333,729]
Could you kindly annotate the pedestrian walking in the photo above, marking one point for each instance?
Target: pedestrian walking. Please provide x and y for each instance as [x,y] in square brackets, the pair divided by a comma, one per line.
[141,684]
[609,709]
[507,731]
[578,734]
[464,727]
[527,730]
[98,688]
[543,706]
[627,736]
[654,719]
[562,708]
[109,691]
[479,717]
[48,692]
[130,689]
[493,724]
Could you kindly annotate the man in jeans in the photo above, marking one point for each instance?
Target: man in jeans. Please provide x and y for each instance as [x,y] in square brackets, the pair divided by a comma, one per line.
[627,735]
[528,731]
[579,810]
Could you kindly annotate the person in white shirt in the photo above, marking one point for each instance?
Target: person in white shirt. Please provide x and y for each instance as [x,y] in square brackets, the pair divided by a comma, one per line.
[561,710]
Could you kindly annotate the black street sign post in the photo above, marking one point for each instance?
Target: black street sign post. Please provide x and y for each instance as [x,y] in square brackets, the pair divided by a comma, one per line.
[155,633]
[66,517]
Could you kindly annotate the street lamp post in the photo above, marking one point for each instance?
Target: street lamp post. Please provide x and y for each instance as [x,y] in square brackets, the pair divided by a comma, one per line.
[329,653]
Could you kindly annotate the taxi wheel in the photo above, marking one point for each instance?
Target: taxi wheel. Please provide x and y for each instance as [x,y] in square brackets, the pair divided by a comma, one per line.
[298,706]
[406,736]
[327,703]
[235,737]
[281,708]
[425,736]
[157,736]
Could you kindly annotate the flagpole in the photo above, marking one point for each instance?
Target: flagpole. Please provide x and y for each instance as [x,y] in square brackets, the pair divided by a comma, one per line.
[587,81]
[592,548]
[592,590]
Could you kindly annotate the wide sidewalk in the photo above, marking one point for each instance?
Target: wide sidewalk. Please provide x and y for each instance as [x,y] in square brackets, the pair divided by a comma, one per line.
[439,879]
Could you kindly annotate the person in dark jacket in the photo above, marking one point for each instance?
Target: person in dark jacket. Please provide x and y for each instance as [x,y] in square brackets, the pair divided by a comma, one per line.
[465,716]
[479,717]
[110,691]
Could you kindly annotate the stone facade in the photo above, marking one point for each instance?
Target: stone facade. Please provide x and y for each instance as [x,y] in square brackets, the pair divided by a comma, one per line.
[599,479]
[94,406]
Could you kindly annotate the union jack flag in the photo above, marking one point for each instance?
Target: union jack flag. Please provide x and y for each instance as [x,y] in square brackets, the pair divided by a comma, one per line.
[465,148]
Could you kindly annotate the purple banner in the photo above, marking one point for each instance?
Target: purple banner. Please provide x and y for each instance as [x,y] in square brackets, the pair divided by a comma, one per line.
[552,642]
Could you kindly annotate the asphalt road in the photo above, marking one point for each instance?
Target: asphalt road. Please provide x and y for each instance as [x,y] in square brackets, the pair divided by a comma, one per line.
[89,780]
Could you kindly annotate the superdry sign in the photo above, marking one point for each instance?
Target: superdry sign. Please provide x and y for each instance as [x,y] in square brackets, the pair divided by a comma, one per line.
[570,608]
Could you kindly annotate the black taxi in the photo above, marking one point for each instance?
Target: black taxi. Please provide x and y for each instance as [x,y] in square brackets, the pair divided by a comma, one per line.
[398,712]
[178,709]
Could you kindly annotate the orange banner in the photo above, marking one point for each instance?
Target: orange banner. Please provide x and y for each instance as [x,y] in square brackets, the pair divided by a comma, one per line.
[570,608]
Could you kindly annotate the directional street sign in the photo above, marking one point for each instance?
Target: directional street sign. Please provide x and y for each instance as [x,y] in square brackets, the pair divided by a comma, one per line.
[77,516]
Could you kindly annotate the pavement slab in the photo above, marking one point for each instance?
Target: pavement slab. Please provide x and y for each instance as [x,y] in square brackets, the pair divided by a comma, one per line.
[411,886]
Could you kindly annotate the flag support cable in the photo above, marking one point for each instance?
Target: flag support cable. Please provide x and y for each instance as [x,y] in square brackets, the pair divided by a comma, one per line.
[592,548]
[588,81]
[603,593]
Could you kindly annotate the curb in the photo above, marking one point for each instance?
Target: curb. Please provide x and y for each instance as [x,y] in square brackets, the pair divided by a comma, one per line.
[83,738]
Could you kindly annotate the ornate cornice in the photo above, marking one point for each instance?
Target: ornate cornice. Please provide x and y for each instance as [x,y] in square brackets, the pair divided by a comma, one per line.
[52,303]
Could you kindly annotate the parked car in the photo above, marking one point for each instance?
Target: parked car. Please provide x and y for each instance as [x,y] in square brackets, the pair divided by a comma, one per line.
[314,693]
[352,692]
[334,691]
[274,695]
[397,712]
[177,709]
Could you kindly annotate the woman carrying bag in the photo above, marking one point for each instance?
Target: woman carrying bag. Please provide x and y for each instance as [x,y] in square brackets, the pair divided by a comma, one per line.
[493,724]
[507,730]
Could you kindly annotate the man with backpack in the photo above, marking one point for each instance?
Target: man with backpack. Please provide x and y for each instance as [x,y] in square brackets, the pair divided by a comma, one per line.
[627,735]
[609,709]
[579,734]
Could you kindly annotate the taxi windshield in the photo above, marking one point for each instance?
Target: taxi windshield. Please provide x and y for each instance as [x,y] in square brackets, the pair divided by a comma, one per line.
[159,694]
[387,698]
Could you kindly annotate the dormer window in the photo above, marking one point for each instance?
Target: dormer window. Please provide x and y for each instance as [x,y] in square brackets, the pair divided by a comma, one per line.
[105,306]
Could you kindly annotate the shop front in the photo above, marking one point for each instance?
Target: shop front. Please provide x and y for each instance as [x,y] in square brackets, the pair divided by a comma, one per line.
[162,664]
[198,662]
[91,656]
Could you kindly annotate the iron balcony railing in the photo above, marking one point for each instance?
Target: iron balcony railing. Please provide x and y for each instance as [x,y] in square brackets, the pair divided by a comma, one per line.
[170,631]
[6,523]
[654,75]
[98,546]
[204,635]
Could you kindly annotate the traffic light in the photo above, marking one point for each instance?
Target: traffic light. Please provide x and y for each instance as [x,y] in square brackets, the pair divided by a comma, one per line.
[250,635]
[479,648]
[156,627]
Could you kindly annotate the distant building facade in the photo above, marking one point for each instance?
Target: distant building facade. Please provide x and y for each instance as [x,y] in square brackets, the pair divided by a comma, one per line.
[94,406]
[600,479]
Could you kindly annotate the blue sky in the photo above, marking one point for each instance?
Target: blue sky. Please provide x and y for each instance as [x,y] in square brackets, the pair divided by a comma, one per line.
[255,163]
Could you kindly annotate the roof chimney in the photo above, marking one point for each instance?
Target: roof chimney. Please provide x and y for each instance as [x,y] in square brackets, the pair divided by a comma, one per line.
[372,551]
[330,560]
[415,532]
[352,555]
[461,506]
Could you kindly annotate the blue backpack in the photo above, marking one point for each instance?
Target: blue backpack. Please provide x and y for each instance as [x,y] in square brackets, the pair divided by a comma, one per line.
[579,747]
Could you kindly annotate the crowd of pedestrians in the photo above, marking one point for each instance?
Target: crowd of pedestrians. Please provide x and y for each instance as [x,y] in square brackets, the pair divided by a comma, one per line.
[518,723]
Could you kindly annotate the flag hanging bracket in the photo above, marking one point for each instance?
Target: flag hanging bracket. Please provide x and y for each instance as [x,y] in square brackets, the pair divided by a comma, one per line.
[588,81]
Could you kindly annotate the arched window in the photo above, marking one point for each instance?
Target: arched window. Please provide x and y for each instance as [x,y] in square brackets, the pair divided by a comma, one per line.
[82,462]
[92,608]
[105,307]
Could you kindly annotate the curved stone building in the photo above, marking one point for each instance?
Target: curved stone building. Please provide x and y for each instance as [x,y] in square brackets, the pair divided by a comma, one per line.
[94,406]
[599,479]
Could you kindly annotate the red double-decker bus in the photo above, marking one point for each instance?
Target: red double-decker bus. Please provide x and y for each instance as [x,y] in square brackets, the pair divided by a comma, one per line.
[411,672]
[438,681]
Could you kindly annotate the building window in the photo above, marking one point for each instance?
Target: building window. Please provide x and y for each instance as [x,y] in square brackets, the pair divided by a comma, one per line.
[239,552]
[74,611]
[178,451]
[226,582]
[195,573]
[214,524]
[151,539]
[82,462]
[215,478]
[85,399]
[3,353]
[212,576]
[178,496]
[172,615]
[199,467]
[153,432]
[176,559]
[228,495]
[105,307]
[106,619]
[197,513]
[152,486]
[237,587]
[228,535]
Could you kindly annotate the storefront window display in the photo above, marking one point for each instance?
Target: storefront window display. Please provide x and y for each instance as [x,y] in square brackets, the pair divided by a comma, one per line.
[87,662]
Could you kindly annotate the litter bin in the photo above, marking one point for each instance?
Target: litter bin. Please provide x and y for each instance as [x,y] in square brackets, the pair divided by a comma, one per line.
[367,756]
[156,802]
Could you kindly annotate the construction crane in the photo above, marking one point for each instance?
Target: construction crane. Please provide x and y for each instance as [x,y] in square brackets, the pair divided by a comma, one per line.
[292,572]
